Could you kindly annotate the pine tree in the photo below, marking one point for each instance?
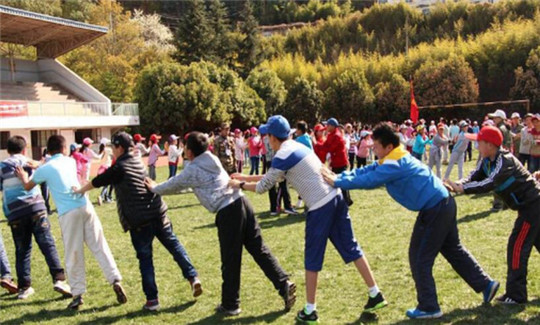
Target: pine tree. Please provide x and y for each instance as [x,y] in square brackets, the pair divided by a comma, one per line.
[194,35]
[250,47]
[222,42]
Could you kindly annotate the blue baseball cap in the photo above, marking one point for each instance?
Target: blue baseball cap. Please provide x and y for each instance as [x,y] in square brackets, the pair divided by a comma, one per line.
[277,126]
[332,122]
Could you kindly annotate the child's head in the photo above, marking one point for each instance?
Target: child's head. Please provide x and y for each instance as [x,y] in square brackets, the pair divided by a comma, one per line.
[489,140]
[301,128]
[56,144]
[16,145]
[196,145]
[384,140]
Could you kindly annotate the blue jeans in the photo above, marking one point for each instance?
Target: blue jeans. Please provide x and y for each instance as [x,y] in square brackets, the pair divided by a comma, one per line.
[172,170]
[22,230]
[5,269]
[254,165]
[534,164]
[142,239]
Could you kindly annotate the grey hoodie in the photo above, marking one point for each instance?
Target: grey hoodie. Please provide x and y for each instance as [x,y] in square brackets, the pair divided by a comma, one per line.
[207,178]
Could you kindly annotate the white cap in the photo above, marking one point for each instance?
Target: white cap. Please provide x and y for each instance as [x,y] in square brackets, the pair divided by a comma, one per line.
[104,141]
[463,124]
[364,133]
[498,113]
[515,115]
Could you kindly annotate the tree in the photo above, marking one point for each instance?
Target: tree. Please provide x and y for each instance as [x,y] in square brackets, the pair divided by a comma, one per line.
[269,87]
[156,35]
[249,49]
[222,44]
[392,99]
[304,102]
[194,35]
[450,81]
[350,97]
[527,85]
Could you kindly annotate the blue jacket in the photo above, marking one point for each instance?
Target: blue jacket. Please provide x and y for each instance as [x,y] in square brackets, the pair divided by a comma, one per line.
[407,180]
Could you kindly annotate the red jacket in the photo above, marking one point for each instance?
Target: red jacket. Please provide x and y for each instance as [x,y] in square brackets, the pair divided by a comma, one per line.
[335,145]
[318,147]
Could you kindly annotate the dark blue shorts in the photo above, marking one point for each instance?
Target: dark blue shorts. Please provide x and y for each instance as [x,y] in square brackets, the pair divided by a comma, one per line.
[330,221]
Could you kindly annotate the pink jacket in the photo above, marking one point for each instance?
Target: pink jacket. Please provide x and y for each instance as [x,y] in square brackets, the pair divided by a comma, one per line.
[363,148]
[255,145]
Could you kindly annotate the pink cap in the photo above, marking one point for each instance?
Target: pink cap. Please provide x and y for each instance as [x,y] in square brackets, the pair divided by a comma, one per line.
[253,130]
[87,141]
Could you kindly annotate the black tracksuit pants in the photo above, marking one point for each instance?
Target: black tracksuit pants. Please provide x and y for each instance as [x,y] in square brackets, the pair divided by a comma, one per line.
[238,227]
[525,235]
[346,194]
[435,231]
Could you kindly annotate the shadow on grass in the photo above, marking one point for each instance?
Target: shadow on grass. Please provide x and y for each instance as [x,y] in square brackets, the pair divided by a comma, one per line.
[207,226]
[220,319]
[185,206]
[483,314]
[55,314]
[282,220]
[132,316]
[18,302]
[474,217]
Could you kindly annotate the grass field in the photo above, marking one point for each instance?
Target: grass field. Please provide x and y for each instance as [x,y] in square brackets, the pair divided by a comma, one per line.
[381,226]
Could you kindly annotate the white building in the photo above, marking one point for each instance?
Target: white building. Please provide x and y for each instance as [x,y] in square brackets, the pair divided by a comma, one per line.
[43,97]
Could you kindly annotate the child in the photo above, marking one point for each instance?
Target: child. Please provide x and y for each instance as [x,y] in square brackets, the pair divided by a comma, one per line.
[174,154]
[90,155]
[255,145]
[6,281]
[143,214]
[327,216]
[458,152]
[239,147]
[420,142]
[501,172]
[235,221]
[414,186]
[364,146]
[140,149]
[436,150]
[80,161]
[27,217]
[155,152]
[78,221]
[106,161]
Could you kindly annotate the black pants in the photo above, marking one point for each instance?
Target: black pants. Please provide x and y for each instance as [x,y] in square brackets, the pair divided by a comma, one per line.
[238,227]
[351,160]
[469,151]
[361,162]
[277,194]
[436,231]
[46,196]
[346,194]
[525,235]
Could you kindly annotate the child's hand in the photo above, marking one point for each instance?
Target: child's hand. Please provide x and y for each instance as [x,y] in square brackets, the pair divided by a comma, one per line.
[237,176]
[328,176]
[32,164]
[234,183]
[150,184]
[21,174]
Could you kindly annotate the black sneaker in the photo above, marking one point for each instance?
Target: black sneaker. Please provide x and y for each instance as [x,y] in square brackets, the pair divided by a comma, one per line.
[76,302]
[308,319]
[375,303]
[504,299]
[288,293]
[228,312]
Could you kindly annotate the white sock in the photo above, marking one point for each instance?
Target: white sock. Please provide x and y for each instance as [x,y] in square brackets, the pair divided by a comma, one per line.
[374,291]
[309,308]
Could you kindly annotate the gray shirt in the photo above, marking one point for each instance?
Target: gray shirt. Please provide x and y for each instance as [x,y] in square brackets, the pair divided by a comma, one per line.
[207,178]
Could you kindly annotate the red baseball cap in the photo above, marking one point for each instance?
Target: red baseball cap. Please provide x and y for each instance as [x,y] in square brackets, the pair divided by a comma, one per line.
[489,134]
[154,137]
[137,137]
[319,127]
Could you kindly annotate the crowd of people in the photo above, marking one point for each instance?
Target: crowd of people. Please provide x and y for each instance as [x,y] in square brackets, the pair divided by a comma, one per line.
[322,164]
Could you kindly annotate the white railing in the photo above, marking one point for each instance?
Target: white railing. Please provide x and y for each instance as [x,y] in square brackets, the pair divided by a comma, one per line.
[39,108]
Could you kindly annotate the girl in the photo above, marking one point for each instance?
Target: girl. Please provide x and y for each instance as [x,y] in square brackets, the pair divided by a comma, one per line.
[90,155]
[80,160]
[364,147]
[239,147]
[255,146]
[106,161]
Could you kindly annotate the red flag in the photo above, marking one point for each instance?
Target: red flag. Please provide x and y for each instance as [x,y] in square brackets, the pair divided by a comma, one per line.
[414,107]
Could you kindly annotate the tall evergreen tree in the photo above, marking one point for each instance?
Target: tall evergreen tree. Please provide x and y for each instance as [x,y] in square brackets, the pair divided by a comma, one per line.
[222,43]
[194,35]
[249,54]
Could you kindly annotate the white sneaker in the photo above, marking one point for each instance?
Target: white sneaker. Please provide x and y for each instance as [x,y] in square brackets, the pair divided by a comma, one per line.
[299,204]
[63,288]
[100,200]
[24,294]
[290,212]
[273,214]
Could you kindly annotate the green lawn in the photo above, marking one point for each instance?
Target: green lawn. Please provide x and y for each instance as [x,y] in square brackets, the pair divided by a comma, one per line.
[382,227]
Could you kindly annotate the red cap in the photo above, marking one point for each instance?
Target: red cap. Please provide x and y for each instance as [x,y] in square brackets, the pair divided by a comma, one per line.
[319,127]
[489,134]
[154,137]
[138,138]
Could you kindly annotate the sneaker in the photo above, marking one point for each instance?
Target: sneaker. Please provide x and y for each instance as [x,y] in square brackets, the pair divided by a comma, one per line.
[308,319]
[273,213]
[490,291]
[63,288]
[151,305]
[25,293]
[76,302]
[196,287]
[120,293]
[299,204]
[415,313]
[288,293]
[9,285]
[228,312]
[375,303]
[290,211]
[504,299]
[100,200]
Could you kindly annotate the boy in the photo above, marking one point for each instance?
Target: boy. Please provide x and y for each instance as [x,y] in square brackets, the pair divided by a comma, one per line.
[236,223]
[458,152]
[78,220]
[27,216]
[501,172]
[414,186]
[6,281]
[327,216]
[143,214]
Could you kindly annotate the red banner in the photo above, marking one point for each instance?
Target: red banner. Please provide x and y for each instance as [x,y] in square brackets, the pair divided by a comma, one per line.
[13,108]
[414,107]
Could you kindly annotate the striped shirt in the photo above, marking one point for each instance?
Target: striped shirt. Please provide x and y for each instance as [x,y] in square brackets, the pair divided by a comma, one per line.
[302,170]
[16,201]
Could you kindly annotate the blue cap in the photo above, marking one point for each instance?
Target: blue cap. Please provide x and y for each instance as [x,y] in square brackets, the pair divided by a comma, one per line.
[332,122]
[277,126]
